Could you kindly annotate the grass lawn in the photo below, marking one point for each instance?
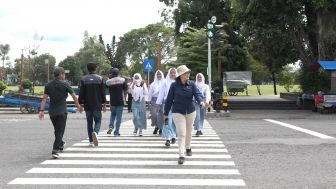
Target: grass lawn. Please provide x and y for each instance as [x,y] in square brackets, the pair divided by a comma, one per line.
[267,90]
[252,89]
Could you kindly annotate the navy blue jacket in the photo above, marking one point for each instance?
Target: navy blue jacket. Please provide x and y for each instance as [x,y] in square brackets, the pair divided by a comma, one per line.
[180,97]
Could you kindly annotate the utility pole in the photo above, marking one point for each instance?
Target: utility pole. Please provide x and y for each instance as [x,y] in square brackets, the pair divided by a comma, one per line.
[159,53]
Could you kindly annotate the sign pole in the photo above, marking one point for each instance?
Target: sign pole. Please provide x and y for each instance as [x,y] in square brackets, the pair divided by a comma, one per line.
[209,62]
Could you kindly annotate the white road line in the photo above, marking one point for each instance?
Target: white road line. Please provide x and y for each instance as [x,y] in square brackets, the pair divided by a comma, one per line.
[95,149]
[151,141]
[137,171]
[150,156]
[130,181]
[130,162]
[300,129]
[147,145]
[123,137]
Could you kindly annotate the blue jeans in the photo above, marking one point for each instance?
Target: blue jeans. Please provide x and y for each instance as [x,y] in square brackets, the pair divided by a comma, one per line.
[116,112]
[200,115]
[91,116]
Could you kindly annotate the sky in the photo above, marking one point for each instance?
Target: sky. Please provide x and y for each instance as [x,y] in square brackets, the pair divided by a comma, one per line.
[57,26]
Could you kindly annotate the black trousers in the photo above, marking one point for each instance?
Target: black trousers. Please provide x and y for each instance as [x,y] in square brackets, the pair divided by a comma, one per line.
[59,123]
[129,102]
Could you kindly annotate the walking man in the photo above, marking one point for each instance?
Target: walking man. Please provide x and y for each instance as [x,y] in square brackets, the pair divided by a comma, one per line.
[118,91]
[92,97]
[58,91]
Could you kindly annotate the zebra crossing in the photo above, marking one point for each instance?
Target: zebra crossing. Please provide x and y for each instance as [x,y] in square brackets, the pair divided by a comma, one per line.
[138,161]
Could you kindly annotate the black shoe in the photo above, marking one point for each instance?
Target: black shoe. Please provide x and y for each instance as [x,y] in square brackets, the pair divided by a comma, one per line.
[160,131]
[198,133]
[189,153]
[155,130]
[173,140]
[167,143]
[61,148]
[180,160]
[110,131]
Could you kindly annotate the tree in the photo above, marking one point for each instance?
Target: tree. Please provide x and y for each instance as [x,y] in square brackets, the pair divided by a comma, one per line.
[70,63]
[287,77]
[114,53]
[4,50]
[143,43]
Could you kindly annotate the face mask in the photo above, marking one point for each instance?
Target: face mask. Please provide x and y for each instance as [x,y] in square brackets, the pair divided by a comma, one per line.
[138,81]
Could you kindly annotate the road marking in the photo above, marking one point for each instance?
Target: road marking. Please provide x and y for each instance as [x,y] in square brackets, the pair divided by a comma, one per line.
[95,149]
[151,141]
[151,156]
[123,137]
[137,171]
[131,181]
[307,131]
[133,162]
[147,145]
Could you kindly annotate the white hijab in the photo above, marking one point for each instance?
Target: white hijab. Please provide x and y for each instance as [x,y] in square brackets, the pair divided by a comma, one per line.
[203,88]
[138,92]
[156,86]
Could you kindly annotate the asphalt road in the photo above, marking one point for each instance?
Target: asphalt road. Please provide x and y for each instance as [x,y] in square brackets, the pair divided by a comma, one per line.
[267,155]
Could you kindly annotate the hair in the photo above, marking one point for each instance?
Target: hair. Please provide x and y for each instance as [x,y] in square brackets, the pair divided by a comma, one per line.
[91,67]
[58,70]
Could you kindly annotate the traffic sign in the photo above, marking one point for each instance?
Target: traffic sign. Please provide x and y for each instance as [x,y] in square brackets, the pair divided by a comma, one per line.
[148,65]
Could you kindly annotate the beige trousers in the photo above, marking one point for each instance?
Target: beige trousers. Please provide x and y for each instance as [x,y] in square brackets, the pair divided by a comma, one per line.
[184,125]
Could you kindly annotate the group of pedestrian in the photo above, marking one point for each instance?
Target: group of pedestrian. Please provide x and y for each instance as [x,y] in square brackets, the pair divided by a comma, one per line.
[177,105]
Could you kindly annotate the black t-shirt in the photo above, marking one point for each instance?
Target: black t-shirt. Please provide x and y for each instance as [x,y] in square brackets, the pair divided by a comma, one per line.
[117,88]
[57,90]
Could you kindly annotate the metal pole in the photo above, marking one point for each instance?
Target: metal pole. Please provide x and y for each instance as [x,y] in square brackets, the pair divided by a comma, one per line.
[209,62]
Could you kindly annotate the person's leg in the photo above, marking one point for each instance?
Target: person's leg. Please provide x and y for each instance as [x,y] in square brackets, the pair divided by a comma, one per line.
[119,112]
[112,116]
[197,118]
[89,122]
[202,117]
[129,102]
[59,123]
[97,116]
[180,121]
[189,123]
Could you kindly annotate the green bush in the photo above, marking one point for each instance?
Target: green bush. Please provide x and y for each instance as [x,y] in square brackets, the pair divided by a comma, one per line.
[312,82]
[26,84]
[3,86]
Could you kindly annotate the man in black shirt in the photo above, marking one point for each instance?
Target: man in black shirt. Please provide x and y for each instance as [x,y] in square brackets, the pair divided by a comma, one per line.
[92,97]
[118,90]
[58,91]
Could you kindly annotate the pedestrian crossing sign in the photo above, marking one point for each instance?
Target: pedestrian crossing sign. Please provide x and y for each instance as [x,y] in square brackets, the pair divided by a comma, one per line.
[148,65]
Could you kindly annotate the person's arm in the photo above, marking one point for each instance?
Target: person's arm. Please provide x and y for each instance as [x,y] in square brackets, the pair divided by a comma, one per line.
[169,100]
[43,105]
[102,86]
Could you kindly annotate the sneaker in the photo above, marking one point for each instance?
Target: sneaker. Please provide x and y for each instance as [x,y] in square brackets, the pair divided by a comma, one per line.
[197,133]
[61,148]
[200,132]
[173,140]
[155,130]
[91,144]
[189,153]
[110,131]
[116,134]
[160,131]
[167,143]
[54,154]
[180,160]
[140,132]
[135,131]
[95,138]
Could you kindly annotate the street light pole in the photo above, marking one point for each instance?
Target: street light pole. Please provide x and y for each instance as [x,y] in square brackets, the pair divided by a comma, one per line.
[159,49]
[46,61]
[209,62]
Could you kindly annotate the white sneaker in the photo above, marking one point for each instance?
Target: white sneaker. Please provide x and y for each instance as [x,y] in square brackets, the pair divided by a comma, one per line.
[91,144]
[95,138]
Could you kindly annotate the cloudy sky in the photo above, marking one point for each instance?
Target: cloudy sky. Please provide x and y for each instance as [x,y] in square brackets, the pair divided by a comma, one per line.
[62,23]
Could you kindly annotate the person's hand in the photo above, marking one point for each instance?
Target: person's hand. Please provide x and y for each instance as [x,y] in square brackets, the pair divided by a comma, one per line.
[41,115]
[202,104]
[81,108]
[165,117]
[158,109]
[104,108]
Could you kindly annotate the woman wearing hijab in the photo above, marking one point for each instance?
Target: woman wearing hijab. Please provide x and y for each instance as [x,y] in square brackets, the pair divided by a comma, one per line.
[139,91]
[154,90]
[168,130]
[201,111]
[180,99]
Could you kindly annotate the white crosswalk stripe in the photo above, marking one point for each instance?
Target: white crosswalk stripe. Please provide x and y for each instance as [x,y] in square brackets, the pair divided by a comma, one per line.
[139,161]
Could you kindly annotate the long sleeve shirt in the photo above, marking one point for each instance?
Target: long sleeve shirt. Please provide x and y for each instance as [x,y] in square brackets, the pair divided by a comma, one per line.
[180,98]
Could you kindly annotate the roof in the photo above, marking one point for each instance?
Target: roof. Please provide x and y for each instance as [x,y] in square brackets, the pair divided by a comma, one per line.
[328,65]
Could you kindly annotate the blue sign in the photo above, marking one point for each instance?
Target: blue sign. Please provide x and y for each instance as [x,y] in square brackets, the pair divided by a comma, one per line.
[148,65]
